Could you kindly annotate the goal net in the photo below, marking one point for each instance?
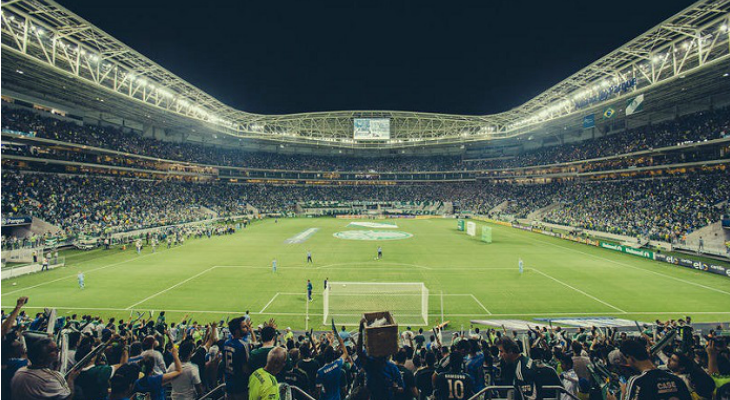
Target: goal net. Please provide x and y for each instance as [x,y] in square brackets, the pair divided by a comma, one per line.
[346,302]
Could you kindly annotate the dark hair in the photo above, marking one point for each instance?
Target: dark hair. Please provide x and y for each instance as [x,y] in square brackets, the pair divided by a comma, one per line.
[135,349]
[186,349]
[39,352]
[234,325]
[509,345]
[455,361]
[305,351]
[577,348]
[73,339]
[634,348]
[567,360]
[82,351]
[268,334]
[124,377]
[400,357]
[328,355]
[430,359]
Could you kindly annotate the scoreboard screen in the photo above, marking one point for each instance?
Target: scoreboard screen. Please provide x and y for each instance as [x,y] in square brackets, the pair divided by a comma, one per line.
[372,129]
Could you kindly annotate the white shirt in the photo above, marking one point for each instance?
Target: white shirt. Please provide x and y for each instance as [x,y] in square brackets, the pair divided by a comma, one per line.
[183,387]
[159,368]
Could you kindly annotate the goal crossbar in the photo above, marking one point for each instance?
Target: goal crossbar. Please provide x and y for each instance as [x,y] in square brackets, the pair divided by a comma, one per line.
[346,302]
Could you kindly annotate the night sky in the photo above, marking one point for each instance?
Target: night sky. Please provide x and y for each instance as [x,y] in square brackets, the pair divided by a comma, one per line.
[459,57]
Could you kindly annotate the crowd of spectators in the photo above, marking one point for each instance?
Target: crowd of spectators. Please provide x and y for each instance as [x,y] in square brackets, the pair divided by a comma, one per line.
[684,130]
[95,358]
[691,128]
[663,208]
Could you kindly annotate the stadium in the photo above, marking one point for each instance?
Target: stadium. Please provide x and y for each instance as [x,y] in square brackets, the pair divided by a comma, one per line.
[586,229]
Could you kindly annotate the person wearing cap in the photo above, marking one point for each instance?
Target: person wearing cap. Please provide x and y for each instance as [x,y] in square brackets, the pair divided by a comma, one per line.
[651,383]
[289,334]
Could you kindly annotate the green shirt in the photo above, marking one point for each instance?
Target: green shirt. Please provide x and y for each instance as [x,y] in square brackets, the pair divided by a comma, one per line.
[262,386]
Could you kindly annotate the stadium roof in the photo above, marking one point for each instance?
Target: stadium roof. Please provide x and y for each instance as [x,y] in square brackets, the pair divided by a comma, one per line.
[57,49]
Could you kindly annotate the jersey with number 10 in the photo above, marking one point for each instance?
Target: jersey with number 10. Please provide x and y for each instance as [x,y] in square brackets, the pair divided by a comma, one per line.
[454,386]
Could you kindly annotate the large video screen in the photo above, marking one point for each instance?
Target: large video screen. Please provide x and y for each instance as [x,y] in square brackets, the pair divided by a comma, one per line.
[372,129]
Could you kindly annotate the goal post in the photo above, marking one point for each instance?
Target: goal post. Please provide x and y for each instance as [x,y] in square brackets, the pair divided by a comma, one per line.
[346,302]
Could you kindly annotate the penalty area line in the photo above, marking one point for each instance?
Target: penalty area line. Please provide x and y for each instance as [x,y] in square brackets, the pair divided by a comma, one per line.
[269,303]
[480,304]
[578,290]
[170,288]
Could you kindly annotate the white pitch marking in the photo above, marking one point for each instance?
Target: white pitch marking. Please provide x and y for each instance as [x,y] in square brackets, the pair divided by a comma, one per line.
[73,276]
[170,288]
[636,268]
[480,303]
[578,290]
[269,303]
[453,315]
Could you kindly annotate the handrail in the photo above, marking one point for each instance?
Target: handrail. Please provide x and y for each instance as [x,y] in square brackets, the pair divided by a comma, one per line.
[216,389]
[285,387]
[302,392]
[487,390]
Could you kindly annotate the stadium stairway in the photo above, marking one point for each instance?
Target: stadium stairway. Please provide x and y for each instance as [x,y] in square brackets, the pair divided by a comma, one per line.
[714,237]
[41,227]
[499,207]
[537,214]
[255,211]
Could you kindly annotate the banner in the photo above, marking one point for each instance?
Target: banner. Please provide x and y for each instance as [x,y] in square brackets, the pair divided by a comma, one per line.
[16,221]
[460,225]
[688,263]
[28,134]
[589,121]
[471,228]
[628,250]
[635,105]
[486,234]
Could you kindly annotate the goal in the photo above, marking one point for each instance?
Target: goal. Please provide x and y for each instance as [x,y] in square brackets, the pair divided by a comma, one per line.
[346,302]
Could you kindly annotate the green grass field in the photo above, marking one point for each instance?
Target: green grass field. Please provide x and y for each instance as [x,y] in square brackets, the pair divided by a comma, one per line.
[212,279]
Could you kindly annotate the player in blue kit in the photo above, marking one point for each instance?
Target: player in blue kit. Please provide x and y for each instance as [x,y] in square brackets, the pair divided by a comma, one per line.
[80,276]
[522,266]
[309,290]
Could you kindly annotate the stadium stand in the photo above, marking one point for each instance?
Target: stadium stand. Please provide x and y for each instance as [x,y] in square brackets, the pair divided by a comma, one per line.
[694,128]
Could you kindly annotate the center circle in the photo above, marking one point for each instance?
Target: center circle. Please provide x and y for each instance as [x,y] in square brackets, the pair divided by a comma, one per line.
[372,235]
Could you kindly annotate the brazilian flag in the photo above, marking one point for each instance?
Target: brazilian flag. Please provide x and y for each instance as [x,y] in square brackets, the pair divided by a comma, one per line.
[608,113]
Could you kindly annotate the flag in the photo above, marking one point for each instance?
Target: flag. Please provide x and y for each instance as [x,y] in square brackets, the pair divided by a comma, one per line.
[635,105]
[608,113]
[589,121]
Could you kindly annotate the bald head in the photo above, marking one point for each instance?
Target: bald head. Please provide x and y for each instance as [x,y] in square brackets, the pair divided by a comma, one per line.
[276,360]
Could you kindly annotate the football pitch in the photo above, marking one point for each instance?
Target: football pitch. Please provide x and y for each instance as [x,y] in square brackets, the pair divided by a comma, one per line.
[214,279]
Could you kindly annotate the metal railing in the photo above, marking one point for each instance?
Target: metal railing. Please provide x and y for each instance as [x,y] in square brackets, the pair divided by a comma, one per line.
[488,393]
[218,390]
[287,391]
